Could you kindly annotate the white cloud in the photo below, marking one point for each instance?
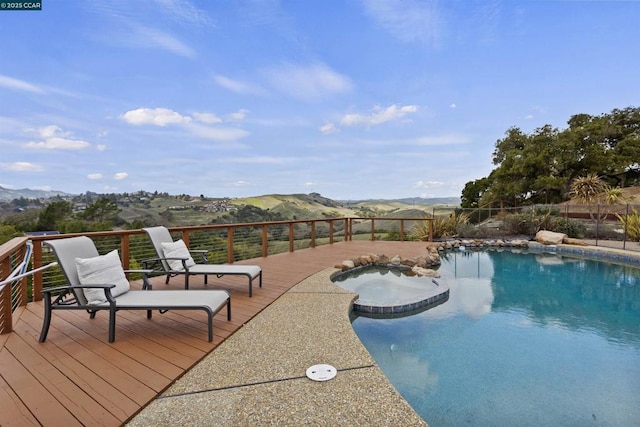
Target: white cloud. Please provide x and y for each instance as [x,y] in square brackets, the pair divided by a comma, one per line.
[101,147]
[208,118]
[95,176]
[120,175]
[453,105]
[21,167]
[428,184]
[379,115]
[11,83]
[54,138]
[218,133]
[155,116]
[329,128]
[51,131]
[59,144]
[264,160]
[308,82]
[408,20]
[239,184]
[238,115]
[185,12]
[238,86]
[153,38]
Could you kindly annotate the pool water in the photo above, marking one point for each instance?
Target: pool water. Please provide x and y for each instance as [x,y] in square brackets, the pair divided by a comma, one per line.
[524,339]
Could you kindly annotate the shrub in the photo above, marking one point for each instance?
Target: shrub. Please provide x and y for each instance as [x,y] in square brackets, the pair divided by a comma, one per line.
[442,226]
[631,223]
[530,223]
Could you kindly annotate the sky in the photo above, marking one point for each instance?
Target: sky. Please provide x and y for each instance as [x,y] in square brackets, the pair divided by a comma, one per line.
[352,99]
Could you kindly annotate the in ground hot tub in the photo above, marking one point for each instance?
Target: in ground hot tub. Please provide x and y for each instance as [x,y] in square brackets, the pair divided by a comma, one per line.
[391,290]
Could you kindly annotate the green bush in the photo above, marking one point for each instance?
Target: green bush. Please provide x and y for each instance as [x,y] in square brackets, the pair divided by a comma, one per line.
[442,226]
[531,222]
[631,223]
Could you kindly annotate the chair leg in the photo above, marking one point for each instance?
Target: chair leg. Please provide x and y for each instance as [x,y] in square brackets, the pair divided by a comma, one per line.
[166,282]
[206,276]
[210,326]
[228,308]
[112,324]
[186,281]
[47,320]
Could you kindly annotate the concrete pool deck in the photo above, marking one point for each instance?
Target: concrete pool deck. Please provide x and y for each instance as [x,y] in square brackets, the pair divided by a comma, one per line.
[258,375]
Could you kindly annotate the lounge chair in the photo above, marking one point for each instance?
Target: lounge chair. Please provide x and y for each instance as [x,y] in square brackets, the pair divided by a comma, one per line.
[176,259]
[98,283]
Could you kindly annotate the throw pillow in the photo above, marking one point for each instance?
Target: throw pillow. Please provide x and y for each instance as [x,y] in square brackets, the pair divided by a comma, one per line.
[177,249]
[102,270]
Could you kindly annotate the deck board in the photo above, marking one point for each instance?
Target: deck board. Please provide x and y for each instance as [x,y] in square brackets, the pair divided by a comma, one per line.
[78,378]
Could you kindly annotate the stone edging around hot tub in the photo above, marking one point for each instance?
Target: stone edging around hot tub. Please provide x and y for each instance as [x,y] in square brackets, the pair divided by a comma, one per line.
[407,305]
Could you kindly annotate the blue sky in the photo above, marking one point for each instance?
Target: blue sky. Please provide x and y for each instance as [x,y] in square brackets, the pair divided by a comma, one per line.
[352,99]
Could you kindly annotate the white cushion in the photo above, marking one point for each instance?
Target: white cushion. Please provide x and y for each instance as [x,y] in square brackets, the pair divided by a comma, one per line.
[177,249]
[102,270]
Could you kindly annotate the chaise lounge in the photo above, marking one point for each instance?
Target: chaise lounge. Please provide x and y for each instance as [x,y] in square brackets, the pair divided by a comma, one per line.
[98,282]
[176,259]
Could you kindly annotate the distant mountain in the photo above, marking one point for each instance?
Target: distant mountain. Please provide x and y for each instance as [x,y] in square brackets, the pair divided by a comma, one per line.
[7,194]
[411,201]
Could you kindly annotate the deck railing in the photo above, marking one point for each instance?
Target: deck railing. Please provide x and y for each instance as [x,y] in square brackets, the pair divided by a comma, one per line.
[226,243]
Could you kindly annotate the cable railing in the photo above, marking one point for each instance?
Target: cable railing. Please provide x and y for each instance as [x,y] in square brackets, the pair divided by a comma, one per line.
[226,243]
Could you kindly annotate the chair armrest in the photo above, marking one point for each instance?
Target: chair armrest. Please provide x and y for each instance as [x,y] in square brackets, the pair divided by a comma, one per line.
[64,290]
[72,287]
[147,271]
[146,285]
[201,252]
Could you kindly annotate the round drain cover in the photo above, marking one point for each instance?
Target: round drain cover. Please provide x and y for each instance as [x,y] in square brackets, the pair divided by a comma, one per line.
[321,372]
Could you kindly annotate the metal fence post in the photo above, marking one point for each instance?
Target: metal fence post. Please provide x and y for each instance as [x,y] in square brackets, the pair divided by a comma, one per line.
[624,236]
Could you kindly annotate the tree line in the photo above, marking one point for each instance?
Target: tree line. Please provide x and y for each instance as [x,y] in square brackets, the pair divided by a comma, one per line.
[541,167]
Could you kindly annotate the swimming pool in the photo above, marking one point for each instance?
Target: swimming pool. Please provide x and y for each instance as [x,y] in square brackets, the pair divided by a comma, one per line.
[524,339]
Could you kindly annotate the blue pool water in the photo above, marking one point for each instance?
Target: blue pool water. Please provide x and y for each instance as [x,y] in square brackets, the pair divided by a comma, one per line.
[524,339]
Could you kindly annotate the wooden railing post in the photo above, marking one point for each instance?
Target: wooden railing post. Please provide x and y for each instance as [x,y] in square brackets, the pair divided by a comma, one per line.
[313,234]
[291,237]
[402,230]
[265,241]
[373,229]
[124,248]
[331,232]
[37,263]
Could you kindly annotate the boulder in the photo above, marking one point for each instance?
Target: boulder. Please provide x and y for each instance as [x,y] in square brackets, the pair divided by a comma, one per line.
[549,237]
[347,265]
[419,271]
[572,241]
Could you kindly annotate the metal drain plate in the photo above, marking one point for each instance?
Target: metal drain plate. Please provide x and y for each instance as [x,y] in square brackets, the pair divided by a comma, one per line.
[321,372]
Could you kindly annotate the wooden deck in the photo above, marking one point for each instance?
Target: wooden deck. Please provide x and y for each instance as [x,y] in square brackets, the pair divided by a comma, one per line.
[77,378]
